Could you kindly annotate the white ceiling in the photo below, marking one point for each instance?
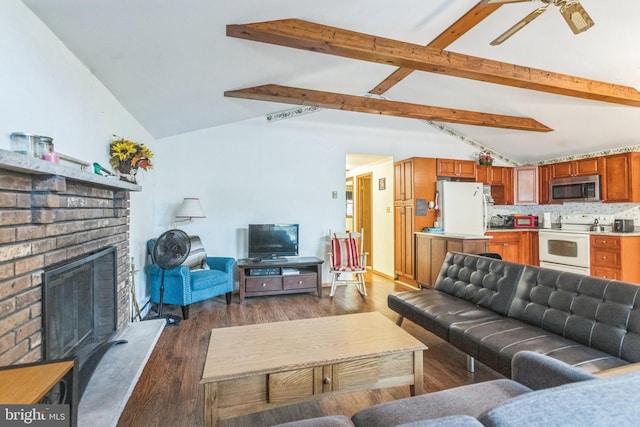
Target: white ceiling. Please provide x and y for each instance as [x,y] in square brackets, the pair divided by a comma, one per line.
[169,63]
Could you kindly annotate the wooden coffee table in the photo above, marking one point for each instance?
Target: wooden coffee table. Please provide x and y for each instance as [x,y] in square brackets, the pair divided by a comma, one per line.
[257,367]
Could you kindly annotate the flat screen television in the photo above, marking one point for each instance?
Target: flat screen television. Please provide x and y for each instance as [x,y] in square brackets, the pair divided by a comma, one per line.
[273,241]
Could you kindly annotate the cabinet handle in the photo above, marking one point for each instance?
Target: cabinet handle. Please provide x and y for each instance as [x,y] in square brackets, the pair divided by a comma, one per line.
[264,285]
[327,380]
[299,282]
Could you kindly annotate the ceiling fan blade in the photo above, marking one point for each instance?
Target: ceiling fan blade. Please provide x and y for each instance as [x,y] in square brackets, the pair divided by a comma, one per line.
[504,1]
[518,26]
[577,18]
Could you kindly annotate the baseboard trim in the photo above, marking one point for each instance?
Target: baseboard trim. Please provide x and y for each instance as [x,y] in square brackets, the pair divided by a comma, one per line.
[413,288]
[381,274]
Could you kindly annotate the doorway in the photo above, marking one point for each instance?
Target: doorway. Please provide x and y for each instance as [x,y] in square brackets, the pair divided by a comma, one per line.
[349,204]
[363,212]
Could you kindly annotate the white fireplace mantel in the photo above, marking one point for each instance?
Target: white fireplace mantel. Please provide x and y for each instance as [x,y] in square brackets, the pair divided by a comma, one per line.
[26,164]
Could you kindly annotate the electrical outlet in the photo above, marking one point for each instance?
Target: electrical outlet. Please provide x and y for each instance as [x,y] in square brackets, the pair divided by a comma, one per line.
[334,194]
[388,209]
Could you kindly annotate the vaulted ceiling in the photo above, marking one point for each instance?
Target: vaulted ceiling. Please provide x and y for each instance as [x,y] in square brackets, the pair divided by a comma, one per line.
[171,62]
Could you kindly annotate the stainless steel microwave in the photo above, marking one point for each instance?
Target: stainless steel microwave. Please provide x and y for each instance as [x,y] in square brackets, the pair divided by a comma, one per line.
[577,188]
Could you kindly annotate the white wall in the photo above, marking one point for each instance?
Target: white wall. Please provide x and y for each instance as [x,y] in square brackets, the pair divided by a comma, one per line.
[259,172]
[47,91]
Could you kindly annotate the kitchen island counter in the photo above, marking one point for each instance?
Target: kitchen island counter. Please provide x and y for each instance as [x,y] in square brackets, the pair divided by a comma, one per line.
[431,249]
[453,235]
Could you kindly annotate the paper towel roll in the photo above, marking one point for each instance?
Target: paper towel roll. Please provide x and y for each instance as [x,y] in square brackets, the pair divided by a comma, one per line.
[546,220]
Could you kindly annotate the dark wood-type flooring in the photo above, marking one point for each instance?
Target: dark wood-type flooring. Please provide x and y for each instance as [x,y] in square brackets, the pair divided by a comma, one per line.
[168,392]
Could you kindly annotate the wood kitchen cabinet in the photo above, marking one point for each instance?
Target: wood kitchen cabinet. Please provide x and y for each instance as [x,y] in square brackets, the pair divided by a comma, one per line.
[534,248]
[490,175]
[514,246]
[615,257]
[619,174]
[500,178]
[457,168]
[403,243]
[544,174]
[590,166]
[621,178]
[415,182]
[525,181]
[403,181]
[431,250]
[507,188]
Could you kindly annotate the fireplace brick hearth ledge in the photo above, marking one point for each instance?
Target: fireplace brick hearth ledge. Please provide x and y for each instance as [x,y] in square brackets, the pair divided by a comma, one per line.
[117,374]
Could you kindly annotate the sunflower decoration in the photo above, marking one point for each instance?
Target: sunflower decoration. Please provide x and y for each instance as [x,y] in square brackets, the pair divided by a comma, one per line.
[127,157]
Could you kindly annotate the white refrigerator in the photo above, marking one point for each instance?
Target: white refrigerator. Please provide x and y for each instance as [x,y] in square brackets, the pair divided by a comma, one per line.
[462,207]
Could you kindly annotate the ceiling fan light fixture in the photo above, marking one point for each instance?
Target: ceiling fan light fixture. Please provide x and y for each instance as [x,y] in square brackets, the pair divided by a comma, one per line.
[577,18]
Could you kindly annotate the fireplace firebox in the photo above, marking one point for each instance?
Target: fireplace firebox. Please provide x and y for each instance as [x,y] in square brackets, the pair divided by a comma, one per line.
[79,304]
[80,310]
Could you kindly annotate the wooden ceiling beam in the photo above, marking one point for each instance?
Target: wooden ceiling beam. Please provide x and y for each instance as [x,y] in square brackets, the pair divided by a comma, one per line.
[456,30]
[336,101]
[319,38]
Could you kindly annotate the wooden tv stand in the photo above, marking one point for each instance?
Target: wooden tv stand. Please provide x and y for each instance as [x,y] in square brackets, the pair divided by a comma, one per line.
[272,277]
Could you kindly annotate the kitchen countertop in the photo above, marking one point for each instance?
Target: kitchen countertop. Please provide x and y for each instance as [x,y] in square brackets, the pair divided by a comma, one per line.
[453,235]
[506,229]
[595,233]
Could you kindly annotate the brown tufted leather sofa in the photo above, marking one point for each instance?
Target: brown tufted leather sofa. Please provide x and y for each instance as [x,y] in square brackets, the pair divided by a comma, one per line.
[491,309]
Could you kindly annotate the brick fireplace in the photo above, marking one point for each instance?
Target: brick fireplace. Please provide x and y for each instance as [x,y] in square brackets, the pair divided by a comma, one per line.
[51,214]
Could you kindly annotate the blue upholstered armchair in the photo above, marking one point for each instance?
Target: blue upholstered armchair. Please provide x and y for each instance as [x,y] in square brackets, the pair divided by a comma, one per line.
[199,278]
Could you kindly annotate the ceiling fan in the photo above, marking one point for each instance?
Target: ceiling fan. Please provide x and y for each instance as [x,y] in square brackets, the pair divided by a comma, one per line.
[577,18]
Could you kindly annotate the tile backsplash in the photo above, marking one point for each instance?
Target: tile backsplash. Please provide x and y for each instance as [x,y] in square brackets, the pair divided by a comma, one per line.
[618,210]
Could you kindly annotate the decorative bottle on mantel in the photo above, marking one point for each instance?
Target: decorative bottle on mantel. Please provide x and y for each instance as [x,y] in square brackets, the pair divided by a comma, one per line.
[51,155]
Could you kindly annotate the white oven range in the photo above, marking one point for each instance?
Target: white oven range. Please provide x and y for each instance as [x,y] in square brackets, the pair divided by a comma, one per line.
[568,249]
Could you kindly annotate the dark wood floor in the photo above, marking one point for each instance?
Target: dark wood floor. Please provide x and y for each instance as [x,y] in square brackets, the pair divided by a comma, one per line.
[168,392]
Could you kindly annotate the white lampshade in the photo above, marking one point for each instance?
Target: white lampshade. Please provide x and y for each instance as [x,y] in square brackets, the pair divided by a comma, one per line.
[190,208]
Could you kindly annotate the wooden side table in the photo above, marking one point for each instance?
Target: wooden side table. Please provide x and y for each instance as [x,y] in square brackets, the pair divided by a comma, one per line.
[52,382]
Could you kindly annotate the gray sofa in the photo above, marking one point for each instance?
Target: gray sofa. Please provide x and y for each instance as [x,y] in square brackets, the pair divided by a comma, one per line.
[492,309]
[544,392]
